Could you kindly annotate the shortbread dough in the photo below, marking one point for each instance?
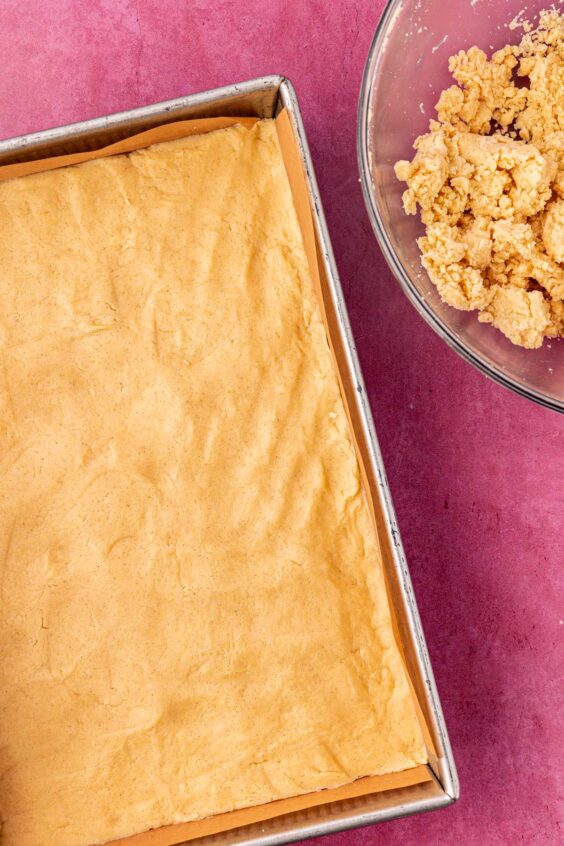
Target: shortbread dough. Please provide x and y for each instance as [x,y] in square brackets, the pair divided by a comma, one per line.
[493,201]
[194,615]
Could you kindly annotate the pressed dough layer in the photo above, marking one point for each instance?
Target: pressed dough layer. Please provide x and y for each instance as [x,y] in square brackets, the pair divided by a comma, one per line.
[194,616]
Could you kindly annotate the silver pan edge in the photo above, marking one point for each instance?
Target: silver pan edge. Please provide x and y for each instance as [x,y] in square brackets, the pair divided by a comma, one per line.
[264,97]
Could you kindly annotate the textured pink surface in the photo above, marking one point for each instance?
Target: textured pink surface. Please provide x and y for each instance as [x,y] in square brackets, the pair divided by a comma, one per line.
[477,473]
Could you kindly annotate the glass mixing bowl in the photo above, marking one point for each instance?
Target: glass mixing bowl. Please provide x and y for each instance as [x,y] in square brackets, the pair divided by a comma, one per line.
[407,68]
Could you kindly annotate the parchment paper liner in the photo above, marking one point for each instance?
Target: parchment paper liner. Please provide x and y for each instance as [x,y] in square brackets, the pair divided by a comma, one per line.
[175,835]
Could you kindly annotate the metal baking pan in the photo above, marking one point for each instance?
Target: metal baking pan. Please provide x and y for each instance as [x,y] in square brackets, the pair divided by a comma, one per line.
[264,98]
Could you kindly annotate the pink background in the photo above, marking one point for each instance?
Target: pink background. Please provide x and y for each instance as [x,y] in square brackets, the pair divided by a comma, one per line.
[477,474]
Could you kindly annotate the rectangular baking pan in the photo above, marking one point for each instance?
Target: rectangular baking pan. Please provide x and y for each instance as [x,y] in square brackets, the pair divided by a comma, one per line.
[264,98]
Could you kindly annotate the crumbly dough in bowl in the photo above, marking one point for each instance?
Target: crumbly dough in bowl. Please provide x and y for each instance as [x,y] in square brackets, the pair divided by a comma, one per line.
[488,179]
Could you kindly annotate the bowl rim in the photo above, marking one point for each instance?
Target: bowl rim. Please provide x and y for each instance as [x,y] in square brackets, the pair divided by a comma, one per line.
[423,308]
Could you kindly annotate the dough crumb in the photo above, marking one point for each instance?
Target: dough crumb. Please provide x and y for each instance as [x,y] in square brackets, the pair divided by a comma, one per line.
[488,180]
